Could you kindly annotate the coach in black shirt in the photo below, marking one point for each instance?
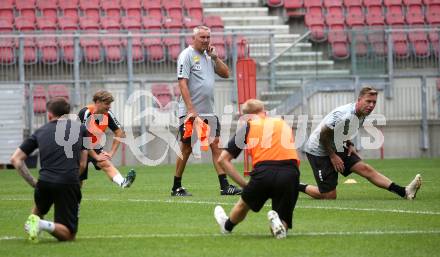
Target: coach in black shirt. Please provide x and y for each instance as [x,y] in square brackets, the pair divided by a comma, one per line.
[60,144]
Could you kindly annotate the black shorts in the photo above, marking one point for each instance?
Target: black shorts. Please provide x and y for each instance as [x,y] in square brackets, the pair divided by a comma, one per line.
[66,199]
[278,182]
[85,174]
[213,123]
[325,174]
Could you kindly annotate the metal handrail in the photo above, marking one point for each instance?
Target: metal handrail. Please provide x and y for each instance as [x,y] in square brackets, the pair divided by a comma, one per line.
[287,48]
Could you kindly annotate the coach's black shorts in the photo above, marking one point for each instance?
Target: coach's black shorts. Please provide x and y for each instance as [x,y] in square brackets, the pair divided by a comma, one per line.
[276,181]
[66,199]
[85,174]
[213,123]
[325,174]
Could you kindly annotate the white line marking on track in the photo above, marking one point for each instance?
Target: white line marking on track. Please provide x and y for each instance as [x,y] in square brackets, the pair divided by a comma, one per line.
[323,233]
[230,204]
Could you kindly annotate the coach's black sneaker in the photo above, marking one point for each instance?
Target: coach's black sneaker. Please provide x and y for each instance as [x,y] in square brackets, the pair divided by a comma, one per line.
[231,190]
[129,179]
[181,191]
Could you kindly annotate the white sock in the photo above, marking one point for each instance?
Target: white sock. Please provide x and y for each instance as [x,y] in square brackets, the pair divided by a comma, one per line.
[48,226]
[118,179]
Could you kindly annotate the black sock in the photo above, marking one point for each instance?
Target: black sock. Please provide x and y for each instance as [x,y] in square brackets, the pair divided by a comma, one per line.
[302,187]
[223,180]
[177,182]
[229,226]
[397,189]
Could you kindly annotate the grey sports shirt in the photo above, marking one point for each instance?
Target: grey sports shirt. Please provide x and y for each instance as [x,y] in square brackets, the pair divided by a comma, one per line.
[345,124]
[199,70]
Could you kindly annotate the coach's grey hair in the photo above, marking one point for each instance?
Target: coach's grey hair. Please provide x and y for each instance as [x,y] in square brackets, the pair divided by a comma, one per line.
[197,29]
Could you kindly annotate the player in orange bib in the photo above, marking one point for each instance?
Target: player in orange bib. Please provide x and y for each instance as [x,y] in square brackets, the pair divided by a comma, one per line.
[97,117]
[275,174]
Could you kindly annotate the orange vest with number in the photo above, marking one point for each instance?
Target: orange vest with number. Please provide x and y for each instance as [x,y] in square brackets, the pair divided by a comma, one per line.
[96,130]
[271,139]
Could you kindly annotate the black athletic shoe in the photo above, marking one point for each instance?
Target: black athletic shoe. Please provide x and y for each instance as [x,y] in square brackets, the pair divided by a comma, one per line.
[230,190]
[181,191]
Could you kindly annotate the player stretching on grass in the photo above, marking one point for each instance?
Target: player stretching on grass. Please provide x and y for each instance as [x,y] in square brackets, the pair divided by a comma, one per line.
[338,127]
[274,175]
[97,117]
[58,182]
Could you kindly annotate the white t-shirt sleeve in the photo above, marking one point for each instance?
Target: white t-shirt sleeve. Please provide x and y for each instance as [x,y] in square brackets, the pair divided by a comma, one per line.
[333,119]
[183,65]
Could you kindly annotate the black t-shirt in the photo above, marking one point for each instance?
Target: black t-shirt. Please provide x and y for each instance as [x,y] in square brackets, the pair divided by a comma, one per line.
[113,123]
[238,142]
[59,152]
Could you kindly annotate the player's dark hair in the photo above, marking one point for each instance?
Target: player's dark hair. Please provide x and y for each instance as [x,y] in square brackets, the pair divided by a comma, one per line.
[103,96]
[58,106]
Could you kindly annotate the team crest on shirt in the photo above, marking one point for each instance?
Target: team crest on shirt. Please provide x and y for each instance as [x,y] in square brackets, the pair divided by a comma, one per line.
[196,58]
[197,66]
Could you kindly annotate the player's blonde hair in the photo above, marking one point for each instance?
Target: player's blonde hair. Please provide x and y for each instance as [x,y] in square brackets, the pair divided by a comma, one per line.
[103,96]
[252,106]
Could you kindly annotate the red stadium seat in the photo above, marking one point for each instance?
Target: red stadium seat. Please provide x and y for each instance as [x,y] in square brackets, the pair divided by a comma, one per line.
[67,23]
[154,48]
[414,18]
[193,8]
[39,99]
[294,8]
[350,3]
[376,39]
[400,44]
[435,43]
[152,23]
[420,43]
[26,8]
[274,3]
[317,27]
[153,8]
[395,19]
[174,9]
[7,51]
[90,8]
[69,8]
[6,25]
[111,8]
[91,50]
[88,24]
[133,8]
[7,10]
[58,91]
[433,17]
[375,20]
[163,95]
[355,20]
[131,23]
[46,24]
[23,23]
[413,2]
[190,23]
[48,8]
[48,48]
[110,23]
[214,22]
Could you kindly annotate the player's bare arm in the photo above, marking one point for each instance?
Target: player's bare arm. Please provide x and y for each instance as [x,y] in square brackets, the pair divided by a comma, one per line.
[326,138]
[17,160]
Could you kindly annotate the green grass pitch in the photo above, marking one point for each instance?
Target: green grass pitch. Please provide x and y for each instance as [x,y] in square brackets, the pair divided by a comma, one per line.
[146,221]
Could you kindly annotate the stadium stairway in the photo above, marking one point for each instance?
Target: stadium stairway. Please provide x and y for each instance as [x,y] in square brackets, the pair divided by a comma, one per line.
[301,61]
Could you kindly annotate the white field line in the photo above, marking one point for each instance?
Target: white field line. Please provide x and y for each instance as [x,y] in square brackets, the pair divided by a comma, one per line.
[294,234]
[230,204]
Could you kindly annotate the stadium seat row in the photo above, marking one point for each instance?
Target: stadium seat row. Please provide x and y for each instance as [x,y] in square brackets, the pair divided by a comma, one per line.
[328,20]
[51,50]
[52,9]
